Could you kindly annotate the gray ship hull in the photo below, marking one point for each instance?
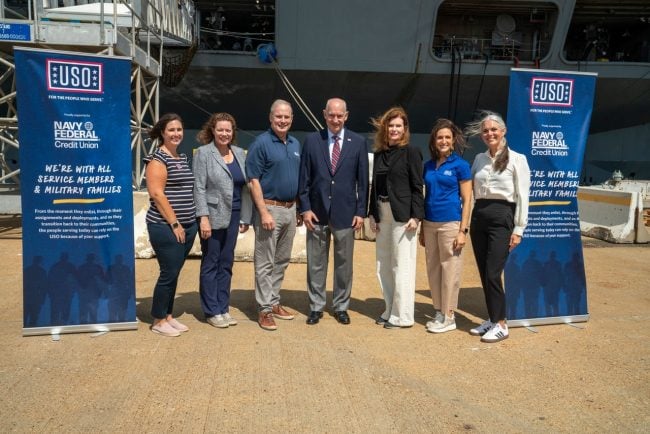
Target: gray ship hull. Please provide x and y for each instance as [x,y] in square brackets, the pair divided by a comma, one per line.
[247,92]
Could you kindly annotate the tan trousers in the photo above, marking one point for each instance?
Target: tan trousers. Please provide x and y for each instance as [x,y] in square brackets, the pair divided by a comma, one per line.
[444,264]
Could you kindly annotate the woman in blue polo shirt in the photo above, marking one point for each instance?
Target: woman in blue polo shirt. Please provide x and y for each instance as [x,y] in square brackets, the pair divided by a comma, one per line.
[448,191]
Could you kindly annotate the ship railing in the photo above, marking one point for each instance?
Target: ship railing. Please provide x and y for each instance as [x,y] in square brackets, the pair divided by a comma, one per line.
[211,39]
[175,18]
[475,49]
[168,21]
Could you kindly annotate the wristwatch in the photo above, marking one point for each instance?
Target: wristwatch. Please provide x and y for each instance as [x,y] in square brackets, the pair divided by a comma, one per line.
[175,224]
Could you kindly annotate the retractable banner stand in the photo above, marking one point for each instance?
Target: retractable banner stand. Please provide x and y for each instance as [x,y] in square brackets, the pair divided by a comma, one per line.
[548,121]
[77,204]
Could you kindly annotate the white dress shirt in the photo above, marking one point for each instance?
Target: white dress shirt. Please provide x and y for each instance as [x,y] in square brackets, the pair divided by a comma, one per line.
[330,140]
[512,185]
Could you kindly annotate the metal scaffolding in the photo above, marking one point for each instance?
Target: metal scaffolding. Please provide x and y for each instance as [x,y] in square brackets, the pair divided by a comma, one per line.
[141,30]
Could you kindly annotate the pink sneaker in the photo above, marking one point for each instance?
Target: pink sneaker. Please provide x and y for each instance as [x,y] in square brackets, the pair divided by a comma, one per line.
[178,326]
[165,329]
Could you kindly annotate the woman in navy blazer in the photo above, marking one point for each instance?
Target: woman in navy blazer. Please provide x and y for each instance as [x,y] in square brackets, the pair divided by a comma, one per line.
[224,210]
[396,208]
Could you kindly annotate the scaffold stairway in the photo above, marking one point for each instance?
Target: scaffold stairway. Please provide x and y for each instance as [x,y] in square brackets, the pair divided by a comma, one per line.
[141,30]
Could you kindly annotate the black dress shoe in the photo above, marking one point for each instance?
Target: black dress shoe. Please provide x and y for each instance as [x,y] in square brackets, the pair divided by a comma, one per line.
[342,317]
[380,321]
[314,317]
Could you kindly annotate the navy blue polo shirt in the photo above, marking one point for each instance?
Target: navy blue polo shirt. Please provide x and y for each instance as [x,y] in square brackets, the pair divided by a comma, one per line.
[275,165]
[442,202]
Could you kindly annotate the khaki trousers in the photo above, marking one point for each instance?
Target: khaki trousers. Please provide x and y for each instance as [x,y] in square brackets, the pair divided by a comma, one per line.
[444,264]
[272,254]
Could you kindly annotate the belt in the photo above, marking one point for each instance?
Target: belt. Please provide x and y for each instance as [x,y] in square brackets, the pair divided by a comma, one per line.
[279,203]
[383,199]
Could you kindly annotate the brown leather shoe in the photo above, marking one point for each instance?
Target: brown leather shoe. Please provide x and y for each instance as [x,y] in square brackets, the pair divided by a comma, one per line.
[265,320]
[280,312]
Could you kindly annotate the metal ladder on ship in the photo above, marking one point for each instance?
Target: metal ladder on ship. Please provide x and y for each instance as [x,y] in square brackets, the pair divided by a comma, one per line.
[160,37]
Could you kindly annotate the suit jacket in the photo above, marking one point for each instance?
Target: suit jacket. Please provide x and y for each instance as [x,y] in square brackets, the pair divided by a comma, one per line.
[404,182]
[347,188]
[213,186]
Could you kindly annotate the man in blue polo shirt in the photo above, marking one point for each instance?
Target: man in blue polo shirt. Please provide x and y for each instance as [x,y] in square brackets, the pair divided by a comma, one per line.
[272,165]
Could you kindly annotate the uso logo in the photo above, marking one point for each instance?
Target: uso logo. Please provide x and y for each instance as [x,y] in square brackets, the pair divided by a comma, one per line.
[551,91]
[74,76]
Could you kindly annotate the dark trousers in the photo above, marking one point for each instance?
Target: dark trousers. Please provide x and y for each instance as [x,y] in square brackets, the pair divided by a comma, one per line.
[490,228]
[216,267]
[171,256]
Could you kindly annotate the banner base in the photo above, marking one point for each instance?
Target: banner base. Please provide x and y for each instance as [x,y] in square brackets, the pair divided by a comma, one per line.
[547,320]
[81,328]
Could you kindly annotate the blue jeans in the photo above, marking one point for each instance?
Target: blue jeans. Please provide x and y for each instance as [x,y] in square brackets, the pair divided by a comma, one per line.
[171,256]
[216,267]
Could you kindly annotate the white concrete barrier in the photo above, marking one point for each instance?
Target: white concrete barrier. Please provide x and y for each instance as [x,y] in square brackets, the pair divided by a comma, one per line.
[612,215]
[243,250]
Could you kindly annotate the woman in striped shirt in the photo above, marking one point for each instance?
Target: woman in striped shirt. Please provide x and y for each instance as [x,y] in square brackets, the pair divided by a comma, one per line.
[171,219]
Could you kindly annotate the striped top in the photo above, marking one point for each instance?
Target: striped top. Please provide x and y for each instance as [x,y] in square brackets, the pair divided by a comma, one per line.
[179,189]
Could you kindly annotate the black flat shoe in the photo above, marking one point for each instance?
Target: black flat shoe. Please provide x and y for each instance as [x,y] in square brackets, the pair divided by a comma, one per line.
[380,321]
[342,317]
[314,317]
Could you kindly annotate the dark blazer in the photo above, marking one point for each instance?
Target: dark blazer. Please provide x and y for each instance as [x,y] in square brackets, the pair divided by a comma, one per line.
[404,181]
[335,198]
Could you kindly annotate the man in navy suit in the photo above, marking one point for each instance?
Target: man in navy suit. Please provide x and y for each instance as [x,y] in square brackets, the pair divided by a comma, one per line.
[333,192]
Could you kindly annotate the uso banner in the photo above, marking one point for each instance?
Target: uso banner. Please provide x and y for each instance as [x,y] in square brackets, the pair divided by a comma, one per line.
[548,121]
[77,205]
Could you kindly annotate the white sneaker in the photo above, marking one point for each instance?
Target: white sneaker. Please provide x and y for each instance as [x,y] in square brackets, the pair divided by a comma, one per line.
[447,325]
[482,329]
[231,321]
[218,321]
[496,333]
[439,318]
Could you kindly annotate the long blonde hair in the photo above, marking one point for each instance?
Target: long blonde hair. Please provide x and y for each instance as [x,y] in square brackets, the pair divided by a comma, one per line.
[381,128]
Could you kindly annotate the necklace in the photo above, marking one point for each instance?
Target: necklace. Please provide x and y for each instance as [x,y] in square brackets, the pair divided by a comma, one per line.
[227,156]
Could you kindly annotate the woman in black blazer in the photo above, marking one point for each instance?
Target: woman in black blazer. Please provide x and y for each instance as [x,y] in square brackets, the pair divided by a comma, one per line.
[396,208]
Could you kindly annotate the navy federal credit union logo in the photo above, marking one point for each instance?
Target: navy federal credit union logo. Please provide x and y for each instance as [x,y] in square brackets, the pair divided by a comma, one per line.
[74,76]
[551,92]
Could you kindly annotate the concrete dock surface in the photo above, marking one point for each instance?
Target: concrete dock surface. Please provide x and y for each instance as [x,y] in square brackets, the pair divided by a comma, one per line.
[359,378]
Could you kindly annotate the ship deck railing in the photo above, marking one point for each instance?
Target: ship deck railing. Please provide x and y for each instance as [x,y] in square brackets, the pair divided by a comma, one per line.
[478,49]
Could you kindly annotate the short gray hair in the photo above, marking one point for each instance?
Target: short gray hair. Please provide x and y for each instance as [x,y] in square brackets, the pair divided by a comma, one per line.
[279,102]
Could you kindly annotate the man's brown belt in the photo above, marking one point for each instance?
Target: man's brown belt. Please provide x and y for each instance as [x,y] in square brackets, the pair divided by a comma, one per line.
[279,203]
